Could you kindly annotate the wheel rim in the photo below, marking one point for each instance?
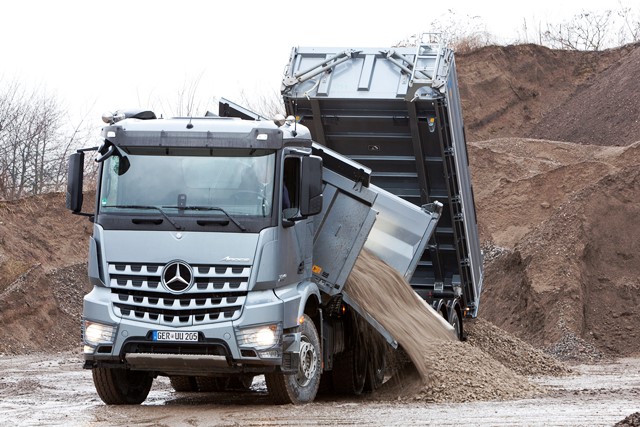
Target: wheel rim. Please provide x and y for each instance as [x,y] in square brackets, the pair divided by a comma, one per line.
[455,322]
[308,362]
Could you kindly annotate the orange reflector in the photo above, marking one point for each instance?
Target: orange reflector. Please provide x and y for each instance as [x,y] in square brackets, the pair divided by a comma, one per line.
[301,320]
[316,269]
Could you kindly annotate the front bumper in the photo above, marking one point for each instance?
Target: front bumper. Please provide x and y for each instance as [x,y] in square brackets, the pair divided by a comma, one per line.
[217,350]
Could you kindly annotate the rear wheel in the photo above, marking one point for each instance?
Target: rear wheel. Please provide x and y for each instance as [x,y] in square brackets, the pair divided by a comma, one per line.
[326,383]
[376,367]
[183,383]
[302,386]
[350,371]
[122,386]
[456,322]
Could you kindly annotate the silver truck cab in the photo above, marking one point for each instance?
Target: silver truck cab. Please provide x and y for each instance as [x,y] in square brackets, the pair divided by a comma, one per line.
[200,262]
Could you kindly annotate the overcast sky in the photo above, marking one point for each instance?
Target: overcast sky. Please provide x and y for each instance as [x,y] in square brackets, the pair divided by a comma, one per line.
[96,56]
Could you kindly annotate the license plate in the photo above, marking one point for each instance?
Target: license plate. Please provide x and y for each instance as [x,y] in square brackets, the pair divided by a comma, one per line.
[175,336]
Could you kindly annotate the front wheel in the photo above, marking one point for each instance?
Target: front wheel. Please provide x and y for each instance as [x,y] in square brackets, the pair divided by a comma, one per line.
[183,383]
[302,386]
[122,386]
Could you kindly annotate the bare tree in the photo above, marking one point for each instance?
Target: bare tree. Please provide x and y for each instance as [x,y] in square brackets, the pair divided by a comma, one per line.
[531,32]
[585,31]
[187,103]
[460,32]
[31,142]
[629,31]
[267,105]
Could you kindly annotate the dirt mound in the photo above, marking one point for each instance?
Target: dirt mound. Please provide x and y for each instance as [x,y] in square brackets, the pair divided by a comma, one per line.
[604,112]
[566,274]
[41,310]
[519,183]
[43,274]
[533,91]
[39,231]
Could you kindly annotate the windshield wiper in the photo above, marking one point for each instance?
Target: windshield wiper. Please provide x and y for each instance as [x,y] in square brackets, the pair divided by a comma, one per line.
[157,208]
[209,208]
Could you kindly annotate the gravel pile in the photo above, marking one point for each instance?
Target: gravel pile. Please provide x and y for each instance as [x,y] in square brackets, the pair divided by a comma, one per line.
[632,420]
[459,373]
[443,369]
[511,351]
[572,348]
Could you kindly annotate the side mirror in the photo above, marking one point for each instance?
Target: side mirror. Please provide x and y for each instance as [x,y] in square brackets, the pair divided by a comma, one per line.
[108,149]
[75,181]
[311,186]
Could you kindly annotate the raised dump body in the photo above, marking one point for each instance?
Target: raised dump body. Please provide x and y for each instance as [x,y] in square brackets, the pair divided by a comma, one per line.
[397,111]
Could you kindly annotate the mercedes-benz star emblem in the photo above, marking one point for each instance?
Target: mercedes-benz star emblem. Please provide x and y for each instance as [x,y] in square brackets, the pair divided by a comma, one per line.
[177,276]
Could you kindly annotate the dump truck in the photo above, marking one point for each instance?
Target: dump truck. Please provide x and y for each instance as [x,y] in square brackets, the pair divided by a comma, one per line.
[398,112]
[220,250]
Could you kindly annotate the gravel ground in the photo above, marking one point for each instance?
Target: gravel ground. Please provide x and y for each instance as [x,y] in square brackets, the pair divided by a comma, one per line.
[52,389]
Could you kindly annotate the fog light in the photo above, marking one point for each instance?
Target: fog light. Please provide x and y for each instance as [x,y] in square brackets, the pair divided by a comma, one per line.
[97,333]
[269,354]
[260,337]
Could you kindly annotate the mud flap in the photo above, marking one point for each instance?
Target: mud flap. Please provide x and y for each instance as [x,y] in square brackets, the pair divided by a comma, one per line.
[290,353]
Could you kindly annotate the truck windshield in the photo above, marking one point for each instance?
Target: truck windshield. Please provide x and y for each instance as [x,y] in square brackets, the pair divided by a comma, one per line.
[209,184]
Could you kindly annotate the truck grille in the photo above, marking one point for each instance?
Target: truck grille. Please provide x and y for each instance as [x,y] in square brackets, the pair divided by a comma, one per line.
[218,294]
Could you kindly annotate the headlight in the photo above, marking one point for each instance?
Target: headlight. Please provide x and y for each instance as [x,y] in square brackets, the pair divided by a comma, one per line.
[97,333]
[259,337]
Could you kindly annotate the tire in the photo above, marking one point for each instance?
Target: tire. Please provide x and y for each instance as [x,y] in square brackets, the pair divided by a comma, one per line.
[376,367]
[456,322]
[302,386]
[122,386]
[240,382]
[212,384]
[183,383]
[350,371]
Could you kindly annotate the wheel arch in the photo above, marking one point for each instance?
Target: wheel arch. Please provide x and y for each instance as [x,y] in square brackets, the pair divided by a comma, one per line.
[298,300]
[309,301]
